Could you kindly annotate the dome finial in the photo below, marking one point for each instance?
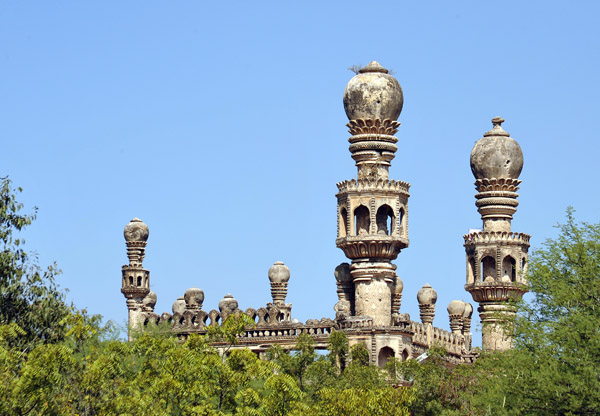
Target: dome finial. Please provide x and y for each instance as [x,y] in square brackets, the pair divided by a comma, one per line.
[373,66]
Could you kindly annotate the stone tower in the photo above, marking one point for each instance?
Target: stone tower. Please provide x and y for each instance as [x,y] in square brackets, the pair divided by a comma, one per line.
[496,256]
[135,284]
[372,210]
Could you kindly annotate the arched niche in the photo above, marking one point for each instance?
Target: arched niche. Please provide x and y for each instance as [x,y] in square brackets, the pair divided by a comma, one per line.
[488,268]
[343,222]
[385,219]
[509,269]
[402,220]
[385,354]
[362,220]
[470,270]
[405,355]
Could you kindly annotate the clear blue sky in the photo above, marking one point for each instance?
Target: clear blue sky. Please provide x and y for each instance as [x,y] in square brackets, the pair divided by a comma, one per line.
[221,125]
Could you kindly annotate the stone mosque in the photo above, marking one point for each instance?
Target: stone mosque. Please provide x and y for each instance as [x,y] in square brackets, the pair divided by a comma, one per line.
[372,229]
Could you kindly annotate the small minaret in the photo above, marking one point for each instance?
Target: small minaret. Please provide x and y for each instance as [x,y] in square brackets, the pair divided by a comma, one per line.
[496,256]
[136,280]
[372,210]
[279,277]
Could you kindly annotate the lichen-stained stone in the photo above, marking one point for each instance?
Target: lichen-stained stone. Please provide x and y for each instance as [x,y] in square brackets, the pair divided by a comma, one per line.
[373,94]
[496,155]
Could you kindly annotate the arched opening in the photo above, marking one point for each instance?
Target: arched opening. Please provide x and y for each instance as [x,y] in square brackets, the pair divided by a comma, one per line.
[471,270]
[362,220]
[139,281]
[385,220]
[343,221]
[523,270]
[384,356]
[405,355]
[130,280]
[509,269]
[401,221]
[488,268]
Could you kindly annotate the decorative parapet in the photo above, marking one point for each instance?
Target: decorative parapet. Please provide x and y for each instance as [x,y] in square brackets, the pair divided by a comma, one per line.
[364,185]
[497,237]
[427,336]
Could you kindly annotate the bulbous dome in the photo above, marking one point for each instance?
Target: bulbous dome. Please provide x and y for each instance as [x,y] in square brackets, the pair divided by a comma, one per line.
[228,303]
[136,230]
[468,310]
[496,155]
[279,273]
[149,300]
[398,285]
[179,305]
[456,307]
[194,298]
[427,295]
[342,273]
[373,94]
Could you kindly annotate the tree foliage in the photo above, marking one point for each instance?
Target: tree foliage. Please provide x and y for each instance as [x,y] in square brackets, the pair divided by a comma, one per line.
[554,368]
[29,295]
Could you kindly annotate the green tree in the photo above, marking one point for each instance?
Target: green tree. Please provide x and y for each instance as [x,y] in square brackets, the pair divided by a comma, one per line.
[29,295]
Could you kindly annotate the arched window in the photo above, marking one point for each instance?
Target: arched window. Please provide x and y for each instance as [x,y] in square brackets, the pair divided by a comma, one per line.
[362,220]
[385,220]
[343,222]
[488,268]
[471,270]
[401,221]
[130,280]
[405,355]
[139,281]
[509,269]
[384,356]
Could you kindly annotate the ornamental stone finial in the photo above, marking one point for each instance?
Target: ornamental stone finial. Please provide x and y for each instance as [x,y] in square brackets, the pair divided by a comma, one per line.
[279,276]
[227,306]
[427,298]
[373,94]
[496,155]
[149,302]
[456,310]
[136,230]
[179,305]
[194,298]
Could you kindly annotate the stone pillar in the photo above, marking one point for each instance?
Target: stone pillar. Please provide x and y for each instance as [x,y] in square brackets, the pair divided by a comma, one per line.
[135,283]
[466,330]
[397,295]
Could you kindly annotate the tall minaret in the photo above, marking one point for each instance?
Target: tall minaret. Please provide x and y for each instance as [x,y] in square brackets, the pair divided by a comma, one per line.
[372,211]
[496,257]
[136,280]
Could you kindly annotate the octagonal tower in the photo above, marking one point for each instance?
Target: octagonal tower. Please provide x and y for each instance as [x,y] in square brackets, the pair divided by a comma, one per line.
[372,209]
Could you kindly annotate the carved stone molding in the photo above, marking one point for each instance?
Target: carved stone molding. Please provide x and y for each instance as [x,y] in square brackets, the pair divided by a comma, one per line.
[379,127]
